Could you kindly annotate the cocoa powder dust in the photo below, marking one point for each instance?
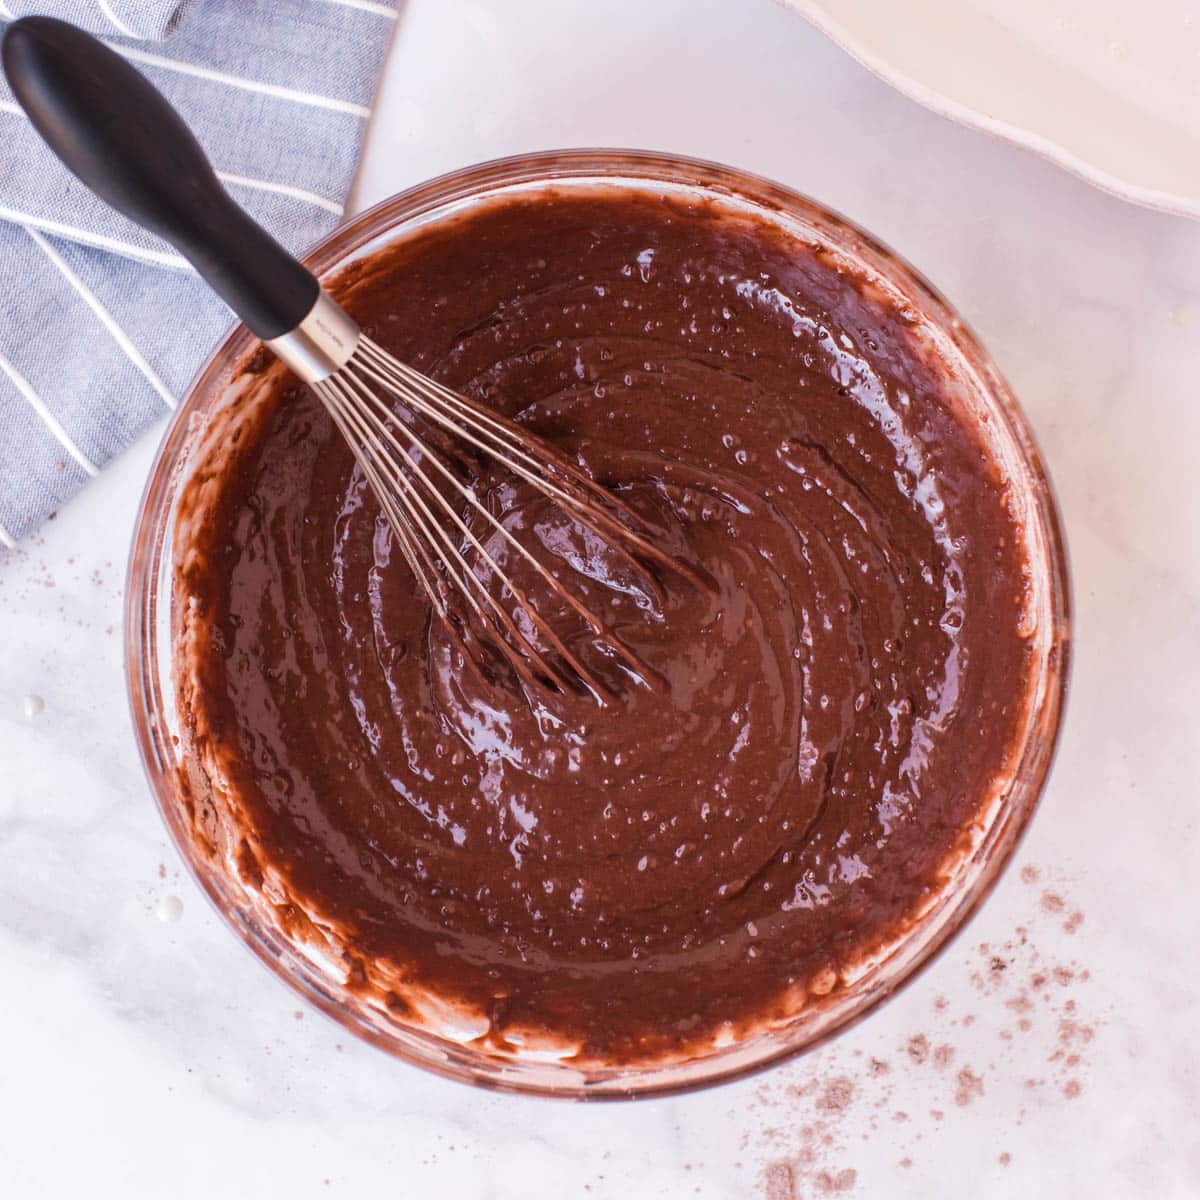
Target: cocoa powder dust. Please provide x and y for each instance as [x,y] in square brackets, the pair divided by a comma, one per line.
[1032,1018]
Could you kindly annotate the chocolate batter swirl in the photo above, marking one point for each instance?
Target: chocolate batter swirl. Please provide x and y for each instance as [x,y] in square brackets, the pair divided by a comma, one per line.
[832,705]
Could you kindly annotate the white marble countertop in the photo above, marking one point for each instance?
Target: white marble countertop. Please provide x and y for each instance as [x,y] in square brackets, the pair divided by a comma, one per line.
[144,1056]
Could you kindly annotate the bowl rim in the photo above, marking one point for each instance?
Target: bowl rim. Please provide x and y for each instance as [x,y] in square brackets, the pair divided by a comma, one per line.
[439,196]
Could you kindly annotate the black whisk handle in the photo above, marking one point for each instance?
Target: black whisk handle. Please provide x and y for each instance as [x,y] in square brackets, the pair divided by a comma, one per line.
[116,132]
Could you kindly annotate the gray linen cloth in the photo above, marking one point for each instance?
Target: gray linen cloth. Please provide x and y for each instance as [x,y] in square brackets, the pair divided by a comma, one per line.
[110,18]
[102,326]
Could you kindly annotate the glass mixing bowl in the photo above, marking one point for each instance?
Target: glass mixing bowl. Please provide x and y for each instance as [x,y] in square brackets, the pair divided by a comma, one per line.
[977,385]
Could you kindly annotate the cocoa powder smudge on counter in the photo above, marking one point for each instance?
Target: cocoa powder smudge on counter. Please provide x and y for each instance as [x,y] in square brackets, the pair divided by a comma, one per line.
[829,1183]
[780,1182]
[969,1086]
[1014,979]
[837,1095]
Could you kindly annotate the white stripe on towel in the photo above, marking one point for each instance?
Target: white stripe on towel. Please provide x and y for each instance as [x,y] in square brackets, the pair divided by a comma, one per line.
[51,421]
[106,319]
[7,539]
[380,10]
[121,27]
[157,257]
[238,81]
[283,189]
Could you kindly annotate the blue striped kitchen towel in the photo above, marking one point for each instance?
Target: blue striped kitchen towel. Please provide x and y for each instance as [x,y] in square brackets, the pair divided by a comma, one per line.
[101,325]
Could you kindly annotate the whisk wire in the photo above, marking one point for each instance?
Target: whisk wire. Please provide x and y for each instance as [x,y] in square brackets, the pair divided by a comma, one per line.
[502,439]
[383,419]
[414,543]
[401,504]
[377,447]
[598,630]
[412,546]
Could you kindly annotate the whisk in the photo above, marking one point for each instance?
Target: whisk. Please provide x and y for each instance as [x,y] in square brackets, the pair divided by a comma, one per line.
[122,139]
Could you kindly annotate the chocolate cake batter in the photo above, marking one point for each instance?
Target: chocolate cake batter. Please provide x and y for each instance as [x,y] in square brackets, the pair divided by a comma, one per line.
[835,703]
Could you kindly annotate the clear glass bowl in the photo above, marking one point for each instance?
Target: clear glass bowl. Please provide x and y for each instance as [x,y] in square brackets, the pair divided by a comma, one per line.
[978,386]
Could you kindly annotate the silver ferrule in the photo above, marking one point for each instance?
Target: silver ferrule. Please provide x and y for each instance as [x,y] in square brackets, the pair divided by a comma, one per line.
[322,343]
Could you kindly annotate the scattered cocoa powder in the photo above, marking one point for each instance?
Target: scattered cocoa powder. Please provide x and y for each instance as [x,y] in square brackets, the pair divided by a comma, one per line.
[969,1086]
[829,1184]
[836,1095]
[1070,1030]
[815,1103]
[779,1182]
[918,1048]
